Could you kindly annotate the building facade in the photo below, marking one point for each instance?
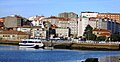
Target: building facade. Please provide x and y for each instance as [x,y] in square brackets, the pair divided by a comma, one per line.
[62,32]
[13,35]
[99,23]
[26,29]
[101,32]
[89,14]
[68,15]
[38,32]
[83,22]
[64,23]
[114,16]
[13,21]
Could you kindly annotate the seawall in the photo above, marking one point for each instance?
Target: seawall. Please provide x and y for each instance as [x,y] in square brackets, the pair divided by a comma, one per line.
[88,46]
[70,45]
[9,42]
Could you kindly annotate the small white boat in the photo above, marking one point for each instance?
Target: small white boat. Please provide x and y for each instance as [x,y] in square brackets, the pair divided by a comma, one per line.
[31,43]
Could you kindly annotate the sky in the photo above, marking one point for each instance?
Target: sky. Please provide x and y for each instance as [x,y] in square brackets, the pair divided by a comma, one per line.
[28,8]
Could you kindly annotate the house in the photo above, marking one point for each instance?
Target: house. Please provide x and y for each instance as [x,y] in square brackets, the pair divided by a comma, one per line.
[102,32]
[13,35]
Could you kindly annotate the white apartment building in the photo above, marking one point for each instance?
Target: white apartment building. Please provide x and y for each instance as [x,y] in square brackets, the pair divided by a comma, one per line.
[73,25]
[92,21]
[62,32]
[38,32]
[82,25]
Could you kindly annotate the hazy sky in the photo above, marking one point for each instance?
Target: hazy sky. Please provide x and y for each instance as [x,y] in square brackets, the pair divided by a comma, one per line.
[29,8]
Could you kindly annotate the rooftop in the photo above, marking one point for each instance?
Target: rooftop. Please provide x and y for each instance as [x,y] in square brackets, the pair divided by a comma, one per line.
[58,18]
[101,30]
[105,34]
[111,13]
[13,32]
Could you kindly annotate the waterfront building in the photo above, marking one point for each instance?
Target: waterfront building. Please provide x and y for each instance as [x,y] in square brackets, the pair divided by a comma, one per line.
[108,24]
[101,32]
[73,25]
[13,35]
[99,23]
[62,32]
[64,23]
[83,22]
[38,32]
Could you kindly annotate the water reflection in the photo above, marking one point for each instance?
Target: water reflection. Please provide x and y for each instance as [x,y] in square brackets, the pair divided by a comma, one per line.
[9,47]
[29,49]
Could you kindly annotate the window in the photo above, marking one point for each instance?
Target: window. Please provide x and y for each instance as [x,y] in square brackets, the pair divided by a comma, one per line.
[97,32]
[6,35]
[13,35]
[37,29]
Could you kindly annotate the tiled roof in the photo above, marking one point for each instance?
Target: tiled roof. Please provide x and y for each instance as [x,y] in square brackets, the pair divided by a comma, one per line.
[13,32]
[54,26]
[18,16]
[93,18]
[2,19]
[38,17]
[105,34]
[58,18]
[101,30]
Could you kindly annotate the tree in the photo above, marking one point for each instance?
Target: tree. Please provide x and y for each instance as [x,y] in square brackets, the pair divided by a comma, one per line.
[88,33]
[101,38]
[115,37]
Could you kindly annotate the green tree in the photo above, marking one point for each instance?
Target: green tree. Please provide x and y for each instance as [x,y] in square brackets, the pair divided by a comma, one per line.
[88,33]
[101,38]
[115,37]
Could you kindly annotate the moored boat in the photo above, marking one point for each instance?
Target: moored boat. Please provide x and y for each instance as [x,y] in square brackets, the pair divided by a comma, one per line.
[31,43]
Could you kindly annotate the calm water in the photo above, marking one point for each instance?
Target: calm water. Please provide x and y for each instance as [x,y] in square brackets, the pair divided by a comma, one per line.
[16,54]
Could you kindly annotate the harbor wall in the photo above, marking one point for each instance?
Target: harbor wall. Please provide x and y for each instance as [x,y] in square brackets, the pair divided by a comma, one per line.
[70,45]
[88,46]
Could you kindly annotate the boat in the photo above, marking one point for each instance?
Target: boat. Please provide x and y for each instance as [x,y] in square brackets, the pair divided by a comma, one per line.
[31,43]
